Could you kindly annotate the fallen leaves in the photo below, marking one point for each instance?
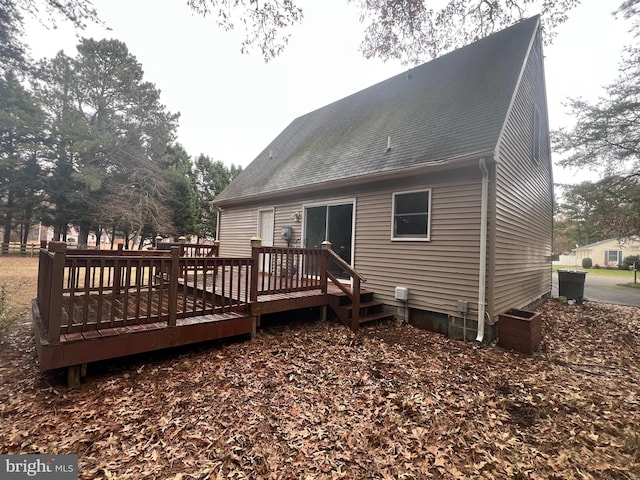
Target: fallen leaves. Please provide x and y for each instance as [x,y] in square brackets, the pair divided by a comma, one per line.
[310,400]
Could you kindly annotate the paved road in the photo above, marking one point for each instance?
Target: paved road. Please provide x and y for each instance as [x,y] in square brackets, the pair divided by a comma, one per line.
[604,289]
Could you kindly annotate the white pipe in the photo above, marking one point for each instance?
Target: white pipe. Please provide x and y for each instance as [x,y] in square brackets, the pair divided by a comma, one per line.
[217,224]
[482,274]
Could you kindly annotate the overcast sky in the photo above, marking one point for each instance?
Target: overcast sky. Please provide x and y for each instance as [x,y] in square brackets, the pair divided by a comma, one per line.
[233,105]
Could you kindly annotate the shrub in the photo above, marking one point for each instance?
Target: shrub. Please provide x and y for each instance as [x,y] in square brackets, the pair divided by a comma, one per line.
[6,317]
[627,263]
[596,267]
[587,263]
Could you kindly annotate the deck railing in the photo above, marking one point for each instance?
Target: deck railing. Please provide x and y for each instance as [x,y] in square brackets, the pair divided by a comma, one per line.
[91,291]
[287,270]
[214,285]
[352,293]
[84,291]
[191,249]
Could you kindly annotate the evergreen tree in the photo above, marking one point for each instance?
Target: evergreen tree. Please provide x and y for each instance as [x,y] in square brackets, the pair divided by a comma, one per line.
[21,143]
[606,138]
[212,177]
[183,202]
[106,122]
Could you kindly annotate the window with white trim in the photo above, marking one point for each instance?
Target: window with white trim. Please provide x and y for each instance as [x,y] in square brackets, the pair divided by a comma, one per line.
[411,215]
[612,257]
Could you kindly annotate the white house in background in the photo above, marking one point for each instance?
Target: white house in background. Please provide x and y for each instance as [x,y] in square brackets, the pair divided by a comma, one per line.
[608,253]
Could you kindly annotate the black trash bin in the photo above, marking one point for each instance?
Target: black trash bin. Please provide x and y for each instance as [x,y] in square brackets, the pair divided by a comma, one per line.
[571,284]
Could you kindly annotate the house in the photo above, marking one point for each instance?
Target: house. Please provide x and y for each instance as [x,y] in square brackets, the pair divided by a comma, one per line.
[607,253]
[437,181]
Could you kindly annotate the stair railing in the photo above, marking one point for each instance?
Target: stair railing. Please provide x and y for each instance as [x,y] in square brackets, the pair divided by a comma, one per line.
[352,293]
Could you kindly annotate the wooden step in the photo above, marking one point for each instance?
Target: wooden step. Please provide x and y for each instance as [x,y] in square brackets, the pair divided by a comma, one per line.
[370,310]
[363,305]
[375,316]
[343,300]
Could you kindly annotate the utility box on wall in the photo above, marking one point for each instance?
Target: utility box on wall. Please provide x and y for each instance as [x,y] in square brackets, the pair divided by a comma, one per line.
[402,294]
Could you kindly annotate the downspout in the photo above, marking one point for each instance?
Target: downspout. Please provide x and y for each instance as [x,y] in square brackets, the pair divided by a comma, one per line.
[482,274]
[218,209]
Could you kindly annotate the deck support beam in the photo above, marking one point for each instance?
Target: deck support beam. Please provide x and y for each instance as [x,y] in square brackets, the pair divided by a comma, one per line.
[75,373]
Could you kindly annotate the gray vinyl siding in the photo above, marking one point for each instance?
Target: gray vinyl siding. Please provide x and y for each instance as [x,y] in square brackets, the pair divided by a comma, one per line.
[237,226]
[522,230]
[283,218]
[437,272]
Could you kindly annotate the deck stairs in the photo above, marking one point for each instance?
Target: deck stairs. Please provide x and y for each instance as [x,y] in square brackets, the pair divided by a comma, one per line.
[370,310]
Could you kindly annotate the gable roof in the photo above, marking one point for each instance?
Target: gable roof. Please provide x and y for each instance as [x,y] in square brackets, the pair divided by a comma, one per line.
[615,242]
[453,106]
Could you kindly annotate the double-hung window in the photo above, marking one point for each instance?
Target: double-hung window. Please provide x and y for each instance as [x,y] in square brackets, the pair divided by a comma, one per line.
[612,257]
[411,215]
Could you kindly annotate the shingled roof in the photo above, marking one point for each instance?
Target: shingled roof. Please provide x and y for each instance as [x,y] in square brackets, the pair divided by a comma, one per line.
[452,106]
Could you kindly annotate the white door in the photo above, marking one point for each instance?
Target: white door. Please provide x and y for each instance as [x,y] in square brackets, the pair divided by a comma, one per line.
[265,232]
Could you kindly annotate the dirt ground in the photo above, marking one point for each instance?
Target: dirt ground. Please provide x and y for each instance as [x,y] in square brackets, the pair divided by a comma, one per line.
[308,399]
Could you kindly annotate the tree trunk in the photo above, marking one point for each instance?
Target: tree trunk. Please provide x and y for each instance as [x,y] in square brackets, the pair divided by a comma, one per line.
[113,235]
[8,220]
[83,236]
[26,224]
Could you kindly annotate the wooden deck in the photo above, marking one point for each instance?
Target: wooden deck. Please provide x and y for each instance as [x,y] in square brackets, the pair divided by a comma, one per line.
[271,297]
[94,305]
[102,342]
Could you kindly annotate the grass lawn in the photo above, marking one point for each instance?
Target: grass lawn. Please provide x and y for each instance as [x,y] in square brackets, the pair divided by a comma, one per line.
[609,272]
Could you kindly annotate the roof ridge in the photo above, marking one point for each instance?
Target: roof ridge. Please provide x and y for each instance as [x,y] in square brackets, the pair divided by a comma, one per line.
[450,106]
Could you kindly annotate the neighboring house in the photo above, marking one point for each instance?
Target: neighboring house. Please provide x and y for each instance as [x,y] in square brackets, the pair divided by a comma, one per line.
[608,253]
[437,180]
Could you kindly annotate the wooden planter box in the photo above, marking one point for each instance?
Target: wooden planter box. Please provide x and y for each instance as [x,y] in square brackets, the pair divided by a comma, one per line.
[520,330]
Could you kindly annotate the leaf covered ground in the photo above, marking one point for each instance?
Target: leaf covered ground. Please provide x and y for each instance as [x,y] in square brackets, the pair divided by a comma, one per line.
[307,399]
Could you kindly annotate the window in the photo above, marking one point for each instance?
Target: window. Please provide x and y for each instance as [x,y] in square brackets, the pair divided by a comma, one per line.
[612,257]
[537,134]
[411,215]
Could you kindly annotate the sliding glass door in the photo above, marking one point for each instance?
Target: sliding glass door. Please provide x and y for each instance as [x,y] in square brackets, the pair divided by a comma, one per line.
[332,222]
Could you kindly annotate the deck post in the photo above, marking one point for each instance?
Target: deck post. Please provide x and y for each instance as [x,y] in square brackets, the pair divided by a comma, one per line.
[59,250]
[43,273]
[173,285]
[182,240]
[256,244]
[324,265]
[355,303]
[216,251]
[117,272]
[73,376]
